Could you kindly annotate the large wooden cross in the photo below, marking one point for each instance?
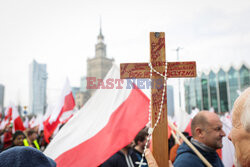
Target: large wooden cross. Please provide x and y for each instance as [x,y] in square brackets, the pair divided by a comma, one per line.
[174,70]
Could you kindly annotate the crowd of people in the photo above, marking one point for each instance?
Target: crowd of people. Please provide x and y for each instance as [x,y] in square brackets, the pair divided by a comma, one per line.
[207,135]
[28,137]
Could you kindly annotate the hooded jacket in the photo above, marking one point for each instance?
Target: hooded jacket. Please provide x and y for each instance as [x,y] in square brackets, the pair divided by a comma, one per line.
[119,160]
[186,157]
[21,156]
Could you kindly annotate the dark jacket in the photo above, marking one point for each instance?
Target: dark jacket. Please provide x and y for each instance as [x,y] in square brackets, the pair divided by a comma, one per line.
[21,156]
[186,157]
[118,160]
[136,157]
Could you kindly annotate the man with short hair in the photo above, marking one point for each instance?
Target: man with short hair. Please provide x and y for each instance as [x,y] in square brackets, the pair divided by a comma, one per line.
[240,133]
[207,133]
[140,142]
[122,158]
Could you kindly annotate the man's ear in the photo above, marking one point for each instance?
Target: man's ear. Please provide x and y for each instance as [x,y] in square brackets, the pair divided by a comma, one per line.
[198,132]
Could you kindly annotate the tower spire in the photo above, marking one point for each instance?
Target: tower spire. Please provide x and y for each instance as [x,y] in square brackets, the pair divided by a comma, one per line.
[100,36]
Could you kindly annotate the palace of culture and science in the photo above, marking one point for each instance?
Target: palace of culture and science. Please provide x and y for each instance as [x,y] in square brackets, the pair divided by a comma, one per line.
[97,67]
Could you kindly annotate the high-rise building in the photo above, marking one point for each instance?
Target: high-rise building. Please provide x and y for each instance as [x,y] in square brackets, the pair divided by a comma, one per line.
[218,90]
[74,91]
[1,97]
[100,65]
[97,68]
[38,85]
[83,84]
[170,100]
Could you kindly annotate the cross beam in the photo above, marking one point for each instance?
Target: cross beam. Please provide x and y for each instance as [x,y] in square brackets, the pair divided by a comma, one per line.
[174,70]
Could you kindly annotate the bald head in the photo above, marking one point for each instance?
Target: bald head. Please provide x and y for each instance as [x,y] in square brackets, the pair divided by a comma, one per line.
[202,120]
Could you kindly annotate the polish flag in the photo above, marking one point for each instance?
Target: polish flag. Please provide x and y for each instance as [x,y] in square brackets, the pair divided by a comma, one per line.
[26,122]
[191,116]
[65,103]
[109,121]
[183,121]
[17,121]
[37,122]
[7,117]
[31,122]
[8,113]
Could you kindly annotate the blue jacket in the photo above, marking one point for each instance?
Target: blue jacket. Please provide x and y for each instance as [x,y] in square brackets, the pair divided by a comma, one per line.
[186,157]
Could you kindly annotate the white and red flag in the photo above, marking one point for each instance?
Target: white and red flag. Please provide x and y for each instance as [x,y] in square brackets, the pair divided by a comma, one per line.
[8,113]
[17,120]
[32,122]
[12,115]
[26,122]
[109,121]
[7,117]
[65,103]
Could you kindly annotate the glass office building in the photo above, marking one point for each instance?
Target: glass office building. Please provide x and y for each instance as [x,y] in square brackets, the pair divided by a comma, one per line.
[38,86]
[217,90]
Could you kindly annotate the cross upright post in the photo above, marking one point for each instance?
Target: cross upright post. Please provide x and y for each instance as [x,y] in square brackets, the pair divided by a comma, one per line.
[174,70]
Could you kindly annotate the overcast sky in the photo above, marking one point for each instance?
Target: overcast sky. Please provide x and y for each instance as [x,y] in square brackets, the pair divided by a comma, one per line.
[63,34]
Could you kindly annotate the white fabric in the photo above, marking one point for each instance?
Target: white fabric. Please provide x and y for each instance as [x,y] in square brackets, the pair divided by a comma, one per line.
[228,148]
[31,122]
[48,112]
[91,118]
[26,122]
[15,113]
[182,119]
[194,112]
[65,91]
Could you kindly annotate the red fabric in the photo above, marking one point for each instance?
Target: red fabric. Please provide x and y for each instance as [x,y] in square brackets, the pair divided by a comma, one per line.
[18,124]
[173,152]
[125,122]
[219,153]
[169,131]
[9,114]
[49,128]
[7,139]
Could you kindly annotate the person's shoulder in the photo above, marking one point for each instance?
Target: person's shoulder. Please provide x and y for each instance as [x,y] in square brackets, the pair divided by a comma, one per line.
[187,159]
[113,160]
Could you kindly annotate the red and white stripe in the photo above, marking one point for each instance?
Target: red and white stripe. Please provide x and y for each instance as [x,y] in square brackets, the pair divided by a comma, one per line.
[65,103]
[11,114]
[17,120]
[109,121]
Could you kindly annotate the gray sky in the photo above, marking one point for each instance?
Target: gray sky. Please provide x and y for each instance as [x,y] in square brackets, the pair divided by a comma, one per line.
[63,34]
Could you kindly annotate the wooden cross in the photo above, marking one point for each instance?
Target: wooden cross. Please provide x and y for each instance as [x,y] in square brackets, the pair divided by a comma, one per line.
[174,70]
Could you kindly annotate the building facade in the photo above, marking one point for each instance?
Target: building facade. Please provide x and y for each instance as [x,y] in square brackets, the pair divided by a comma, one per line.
[97,67]
[216,90]
[83,84]
[37,88]
[100,65]
[75,90]
[1,97]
